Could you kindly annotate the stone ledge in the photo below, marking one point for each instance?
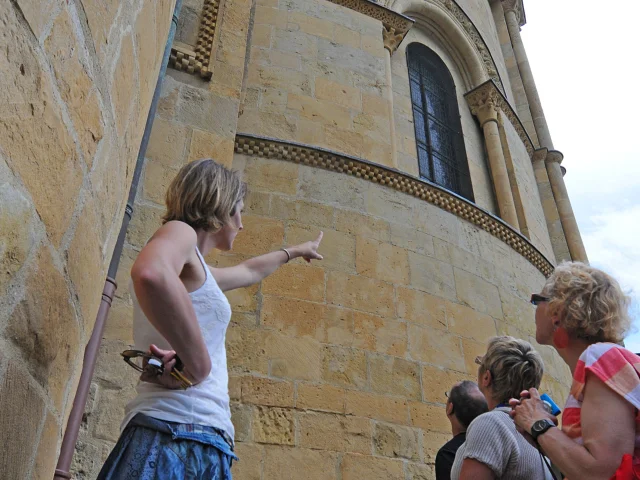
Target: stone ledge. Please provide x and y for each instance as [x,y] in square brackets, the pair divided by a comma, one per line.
[489,88]
[321,158]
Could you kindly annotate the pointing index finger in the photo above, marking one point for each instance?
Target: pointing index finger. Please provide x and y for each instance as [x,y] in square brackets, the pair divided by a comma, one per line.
[319,239]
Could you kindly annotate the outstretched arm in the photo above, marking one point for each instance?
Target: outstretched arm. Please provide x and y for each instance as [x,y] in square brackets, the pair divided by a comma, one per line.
[164,298]
[255,269]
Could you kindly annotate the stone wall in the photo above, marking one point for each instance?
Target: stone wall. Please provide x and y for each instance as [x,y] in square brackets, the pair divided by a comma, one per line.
[317,76]
[76,83]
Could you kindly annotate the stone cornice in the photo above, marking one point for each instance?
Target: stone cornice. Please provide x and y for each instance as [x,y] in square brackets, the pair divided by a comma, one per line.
[197,61]
[395,24]
[320,158]
[490,90]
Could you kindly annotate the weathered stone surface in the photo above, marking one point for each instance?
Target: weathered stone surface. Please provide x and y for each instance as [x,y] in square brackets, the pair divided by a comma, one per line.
[167,144]
[421,308]
[382,261]
[123,90]
[294,358]
[326,431]
[100,15]
[86,460]
[466,322]
[272,176]
[396,441]
[360,293]
[375,406]
[207,111]
[429,417]
[478,293]
[246,351]
[301,211]
[242,417]
[320,397]
[264,391]
[23,410]
[394,376]
[362,225]
[45,461]
[210,145]
[380,335]
[146,220]
[296,281]
[74,84]
[17,233]
[251,466]
[435,347]
[293,317]
[344,367]
[357,467]
[43,327]
[337,248]
[416,471]
[273,425]
[325,187]
[157,178]
[299,464]
[432,276]
[436,381]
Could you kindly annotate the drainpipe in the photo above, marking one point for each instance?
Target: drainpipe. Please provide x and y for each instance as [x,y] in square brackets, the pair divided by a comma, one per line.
[91,350]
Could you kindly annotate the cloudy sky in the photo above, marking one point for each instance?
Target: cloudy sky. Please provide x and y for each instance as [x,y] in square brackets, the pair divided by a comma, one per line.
[584,59]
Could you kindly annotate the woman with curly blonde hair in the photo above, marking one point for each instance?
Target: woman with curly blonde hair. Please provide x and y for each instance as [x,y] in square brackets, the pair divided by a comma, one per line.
[582,313]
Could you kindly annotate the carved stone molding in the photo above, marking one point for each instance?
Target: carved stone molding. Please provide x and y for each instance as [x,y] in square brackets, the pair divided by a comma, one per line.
[485,90]
[474,36]
[484,104]
[517,7]
[554,156]
[395,24]
[320,158]
[197,61]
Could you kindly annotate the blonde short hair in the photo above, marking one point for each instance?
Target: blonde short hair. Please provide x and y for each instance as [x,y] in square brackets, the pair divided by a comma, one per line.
[204,194]
[589,302]
[514,365]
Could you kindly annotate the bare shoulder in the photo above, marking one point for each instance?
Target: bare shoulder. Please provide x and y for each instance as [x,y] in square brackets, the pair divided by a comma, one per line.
[176,231]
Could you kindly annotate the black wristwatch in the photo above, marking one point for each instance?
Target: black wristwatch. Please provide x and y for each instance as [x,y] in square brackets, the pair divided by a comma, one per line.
[541,426]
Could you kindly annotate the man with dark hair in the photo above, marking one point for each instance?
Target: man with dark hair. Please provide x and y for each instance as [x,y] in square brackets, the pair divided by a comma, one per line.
[465,402]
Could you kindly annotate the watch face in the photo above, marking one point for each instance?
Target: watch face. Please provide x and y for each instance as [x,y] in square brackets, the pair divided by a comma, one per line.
[541,426]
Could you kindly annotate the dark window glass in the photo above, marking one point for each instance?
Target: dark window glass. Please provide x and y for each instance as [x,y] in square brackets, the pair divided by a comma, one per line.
[441,155]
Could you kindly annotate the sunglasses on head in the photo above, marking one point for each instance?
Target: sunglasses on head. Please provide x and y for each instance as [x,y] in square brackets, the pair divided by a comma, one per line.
[536,299]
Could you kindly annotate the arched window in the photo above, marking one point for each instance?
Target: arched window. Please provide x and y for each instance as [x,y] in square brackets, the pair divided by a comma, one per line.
[441,155]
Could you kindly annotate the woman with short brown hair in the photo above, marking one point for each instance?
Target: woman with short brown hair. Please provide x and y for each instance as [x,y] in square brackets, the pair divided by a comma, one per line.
[583,313]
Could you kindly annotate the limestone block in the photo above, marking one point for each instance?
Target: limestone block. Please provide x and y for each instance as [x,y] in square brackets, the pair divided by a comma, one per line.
[74,84]
[299,464]
[381,335]
[270,16]
[345,367]
[343,95]
[232,43]
[344,141]
[326,431]
[295,280]
[210,145]
[244,299]
[32,130]
[207,111]
[436,381]
[337,248]
[292,317]
[273,100]
[338,324]
[167,144]
[251,466]
[432,276]
[157,178]
[309,132]
[145,221]
[360,293]
[394,376]
[378,407]
[123,89]
[109,414]
[44,328]
[321,111]
[421,308]
[396,441]
[355,467]
[465,260]
[416,471]
[242,417]
[346,36]
[246,351]
[268,392]
[109,181]
[297,83]
[437,223]
[17,233]
[258,203]
[320,397]
[260,235]
[261,35]
[364,225]
[377,152]
[431,418]
[388,204]
[46,457]
[110,369]
[293,358]
[466,322]
[297,42]
[268,124]
[518,312]
[325,187]
[272,176]
[301,211]
[471,350]
[382,261]
[477,293]
[100,16]
[357,60]
[432,442]
[23,410]
[273,425]
[435,347]
[86,459]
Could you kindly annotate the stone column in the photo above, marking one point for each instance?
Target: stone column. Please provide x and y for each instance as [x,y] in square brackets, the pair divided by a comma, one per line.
[549,207]
[484,105]
[513,13]
[391,41]
[569,224]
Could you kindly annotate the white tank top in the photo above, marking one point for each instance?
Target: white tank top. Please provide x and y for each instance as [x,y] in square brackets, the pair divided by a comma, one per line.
[208,402]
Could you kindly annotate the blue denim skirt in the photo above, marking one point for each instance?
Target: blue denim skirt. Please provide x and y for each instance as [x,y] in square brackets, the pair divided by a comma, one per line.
[152,449]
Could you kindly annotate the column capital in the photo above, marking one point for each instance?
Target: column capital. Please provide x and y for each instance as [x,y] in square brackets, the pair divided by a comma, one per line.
[540,155]
[484,103]
[391,38]
[554,156]
[517,7]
